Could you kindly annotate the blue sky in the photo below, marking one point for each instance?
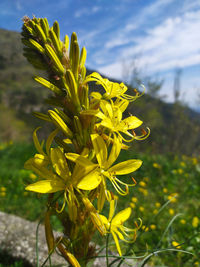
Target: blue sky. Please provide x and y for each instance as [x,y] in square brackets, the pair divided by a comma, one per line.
[157,36]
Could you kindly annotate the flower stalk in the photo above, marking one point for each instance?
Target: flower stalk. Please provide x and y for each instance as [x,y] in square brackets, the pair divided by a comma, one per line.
[77,160]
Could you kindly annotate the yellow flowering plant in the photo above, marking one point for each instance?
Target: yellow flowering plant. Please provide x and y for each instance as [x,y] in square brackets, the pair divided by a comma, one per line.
[77,160]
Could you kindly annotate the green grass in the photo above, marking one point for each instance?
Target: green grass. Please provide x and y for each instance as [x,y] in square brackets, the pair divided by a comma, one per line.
[160,177]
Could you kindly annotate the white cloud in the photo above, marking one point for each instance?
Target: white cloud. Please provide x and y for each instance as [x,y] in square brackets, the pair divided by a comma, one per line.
[125,34]
[175,42]
[86,11]
[113,70]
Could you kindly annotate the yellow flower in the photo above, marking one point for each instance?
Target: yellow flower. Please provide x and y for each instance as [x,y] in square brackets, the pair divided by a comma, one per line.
[3,194]
[180,171]
[3,188]
[182,164]
[134,199]
[145,228]
[132,205]
[112,89]
[165,190]
[115,226]
[171,211]
[152,226]
[141,209]
[182,221]
[196,263]
[143,191]
[157,204]
[104,169]
[176,244]
[194,161]
[143,184]
[195,222]
[156,165]
[111,118]
[32,176]
[173,197]
[155,211]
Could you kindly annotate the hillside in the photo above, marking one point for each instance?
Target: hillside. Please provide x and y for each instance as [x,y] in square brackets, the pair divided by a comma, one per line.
[174,128]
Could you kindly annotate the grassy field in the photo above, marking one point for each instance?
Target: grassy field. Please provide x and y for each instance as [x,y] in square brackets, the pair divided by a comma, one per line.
[166,198]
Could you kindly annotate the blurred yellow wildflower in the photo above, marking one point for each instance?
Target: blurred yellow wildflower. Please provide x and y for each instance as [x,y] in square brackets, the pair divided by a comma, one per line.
[3,194]
[143,191]
[180,171]
[152,226]
[3,189]
[182,164]
[171,211]
[182,221]
[155,211]
[176,244]
[32,176]
[194,161]
[134,199]
[143,184]
[132,205]
[145,228]
[173,197]
[157,204]
[156,165]
[197,263]
[195,222]
[141,208]
[165,190]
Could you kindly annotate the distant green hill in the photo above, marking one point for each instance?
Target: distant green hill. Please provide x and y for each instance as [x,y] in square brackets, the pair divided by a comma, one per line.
[174,128]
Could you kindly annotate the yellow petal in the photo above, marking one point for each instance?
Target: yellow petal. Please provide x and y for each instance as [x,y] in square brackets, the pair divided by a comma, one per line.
[95,217]
[116,243]
[119,233]
[40,160]
[79,159]
[131,122]
[125,167]
[59,163]
[112,209]
[36,142]
[104,219]
[121,216]
[46,186]
[43,172]
[96,95]
[50,140]
[90,181]
[99,148]
[122,104]
[106,108]
[114,153]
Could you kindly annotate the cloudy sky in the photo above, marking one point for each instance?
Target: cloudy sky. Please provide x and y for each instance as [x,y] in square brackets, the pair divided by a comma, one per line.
[157,36]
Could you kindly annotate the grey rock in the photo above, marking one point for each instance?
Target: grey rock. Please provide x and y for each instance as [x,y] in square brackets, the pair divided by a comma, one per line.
[18,238]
